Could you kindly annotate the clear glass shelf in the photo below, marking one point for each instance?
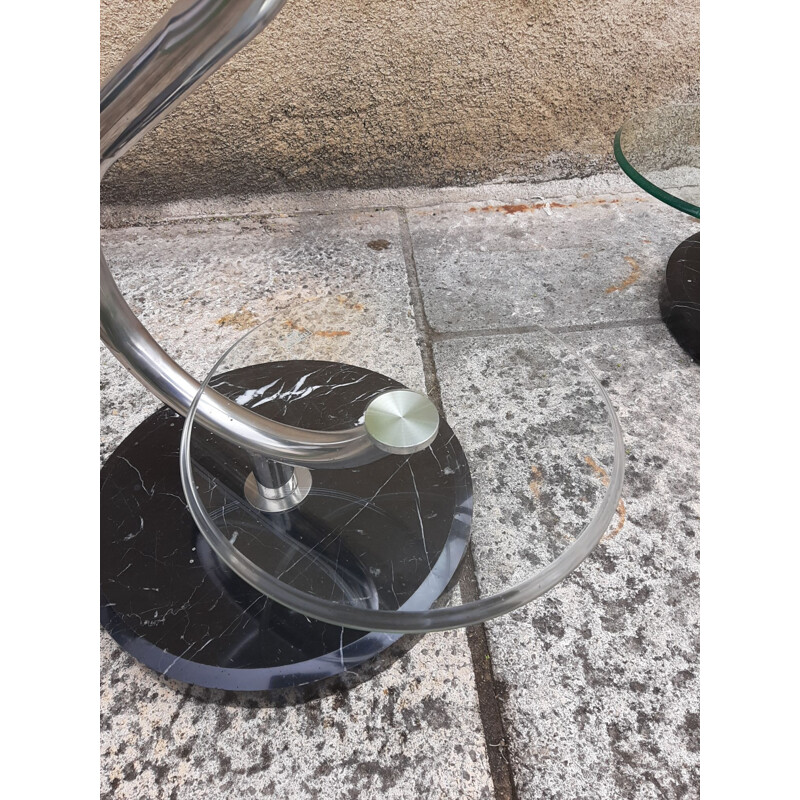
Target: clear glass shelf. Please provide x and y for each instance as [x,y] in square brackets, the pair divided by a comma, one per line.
[520,484]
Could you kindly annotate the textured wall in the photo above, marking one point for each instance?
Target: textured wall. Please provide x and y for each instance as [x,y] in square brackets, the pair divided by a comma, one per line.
[369,93]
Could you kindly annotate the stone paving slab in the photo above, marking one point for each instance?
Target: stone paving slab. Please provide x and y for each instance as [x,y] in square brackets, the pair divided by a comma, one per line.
[495,264]
[599,678]
[597,682]
[412,731]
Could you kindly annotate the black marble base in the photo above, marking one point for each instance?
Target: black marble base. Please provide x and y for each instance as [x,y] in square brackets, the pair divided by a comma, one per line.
[169,601]
[386,535]
[680,296]
[166,598]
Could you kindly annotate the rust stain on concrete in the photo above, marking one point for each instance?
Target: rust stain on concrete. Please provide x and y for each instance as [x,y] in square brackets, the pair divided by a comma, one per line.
[518,208]
[242,320]
[620,522]
[636,273]
[521,208]
[292,325]
[379,244]
[536,482]
[514,209]
[348,303]
[598,470]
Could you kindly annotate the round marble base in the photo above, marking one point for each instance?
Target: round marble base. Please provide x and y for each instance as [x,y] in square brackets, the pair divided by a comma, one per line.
[167,599]
[680,296]
[387,535]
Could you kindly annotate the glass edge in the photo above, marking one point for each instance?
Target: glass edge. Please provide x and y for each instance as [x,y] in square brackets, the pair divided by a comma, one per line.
[651,188]
[433,619]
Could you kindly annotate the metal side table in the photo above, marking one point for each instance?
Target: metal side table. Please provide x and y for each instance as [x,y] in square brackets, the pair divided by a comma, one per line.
[292,515]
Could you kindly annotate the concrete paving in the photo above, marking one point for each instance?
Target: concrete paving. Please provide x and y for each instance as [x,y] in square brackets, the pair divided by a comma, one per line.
[589,692]
[600,677]
[591,260]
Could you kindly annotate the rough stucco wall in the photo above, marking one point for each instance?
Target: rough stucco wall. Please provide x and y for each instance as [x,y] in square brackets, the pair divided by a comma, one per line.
[378,93]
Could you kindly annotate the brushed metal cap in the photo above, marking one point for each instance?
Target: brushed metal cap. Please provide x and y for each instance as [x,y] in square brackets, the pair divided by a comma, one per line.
[401,421]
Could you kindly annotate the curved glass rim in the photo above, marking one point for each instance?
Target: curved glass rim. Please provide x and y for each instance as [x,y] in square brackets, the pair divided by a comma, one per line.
[649,186]
[405,621]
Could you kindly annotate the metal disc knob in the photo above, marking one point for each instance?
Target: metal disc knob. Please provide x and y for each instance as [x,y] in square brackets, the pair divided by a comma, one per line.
[401,421]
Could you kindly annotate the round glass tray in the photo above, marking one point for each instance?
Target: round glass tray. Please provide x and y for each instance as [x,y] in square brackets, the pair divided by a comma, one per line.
[520,484]
[660,151]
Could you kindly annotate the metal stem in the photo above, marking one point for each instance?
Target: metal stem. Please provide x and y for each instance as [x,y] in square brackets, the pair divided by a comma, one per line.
[274,478]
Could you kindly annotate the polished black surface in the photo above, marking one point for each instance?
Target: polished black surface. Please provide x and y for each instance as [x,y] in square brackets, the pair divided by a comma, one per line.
[680,296]
[384,536]
[167,599]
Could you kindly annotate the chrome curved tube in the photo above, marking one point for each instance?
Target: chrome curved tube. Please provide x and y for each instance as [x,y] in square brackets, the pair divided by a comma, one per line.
[185,47]
[192,40]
